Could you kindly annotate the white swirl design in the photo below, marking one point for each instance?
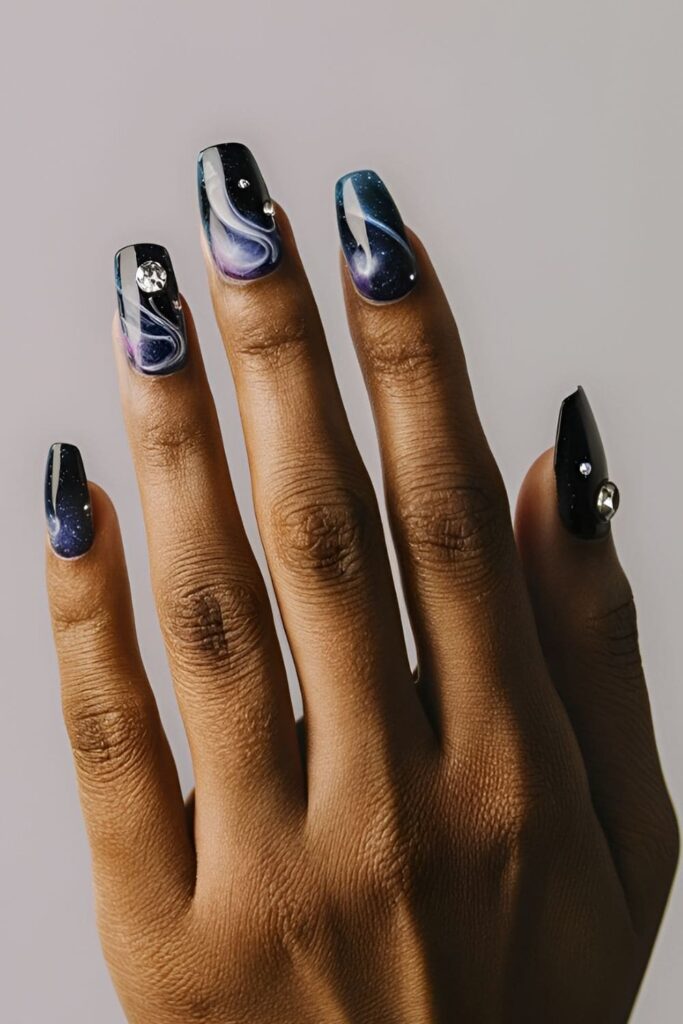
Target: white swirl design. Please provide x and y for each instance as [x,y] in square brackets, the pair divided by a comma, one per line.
[358,219]
[147,330]
[155,340]
[240,247]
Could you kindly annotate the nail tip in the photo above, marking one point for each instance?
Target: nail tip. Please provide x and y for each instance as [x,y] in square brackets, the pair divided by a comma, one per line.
[226,147]
[580,466]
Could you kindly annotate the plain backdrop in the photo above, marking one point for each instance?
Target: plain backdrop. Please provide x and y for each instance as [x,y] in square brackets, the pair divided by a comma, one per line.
[537,148]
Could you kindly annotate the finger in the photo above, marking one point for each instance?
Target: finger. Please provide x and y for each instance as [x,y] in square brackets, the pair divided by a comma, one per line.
[447,504]
[317,512]
[587,623]
[143,858]
[213,608]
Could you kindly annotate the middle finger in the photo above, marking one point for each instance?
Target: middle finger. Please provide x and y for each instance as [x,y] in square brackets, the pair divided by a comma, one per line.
[316,508]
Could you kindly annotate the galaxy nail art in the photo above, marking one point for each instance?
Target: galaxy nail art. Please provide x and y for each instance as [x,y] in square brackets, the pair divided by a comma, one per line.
[67,502]
[152,320]
[587,498]
[237,212]
[373,238]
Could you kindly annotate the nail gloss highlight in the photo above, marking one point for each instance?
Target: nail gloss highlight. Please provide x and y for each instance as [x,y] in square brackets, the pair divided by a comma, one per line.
[587,498]
[150,311]
[237,213]
[67,502]
[373,238]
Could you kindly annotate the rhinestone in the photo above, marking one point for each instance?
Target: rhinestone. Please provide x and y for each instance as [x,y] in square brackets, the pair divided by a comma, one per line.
[269,207]
[151,277]
[243,183]
[585,469]
[607,501]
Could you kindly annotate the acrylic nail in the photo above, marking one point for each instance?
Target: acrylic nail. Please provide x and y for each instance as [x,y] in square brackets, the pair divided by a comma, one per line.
[587,498]
[67,502]
[373,238]
[237,213]
[150,311]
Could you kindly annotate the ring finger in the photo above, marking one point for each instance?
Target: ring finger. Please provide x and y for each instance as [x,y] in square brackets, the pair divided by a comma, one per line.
[213,608]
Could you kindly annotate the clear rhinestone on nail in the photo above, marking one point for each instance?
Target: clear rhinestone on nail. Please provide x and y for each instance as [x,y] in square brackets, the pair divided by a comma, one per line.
[585,469]
[151,277]
[269,207]
[607,501]
[243,183]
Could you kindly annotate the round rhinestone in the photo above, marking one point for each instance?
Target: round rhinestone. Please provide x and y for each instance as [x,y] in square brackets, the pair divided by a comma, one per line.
[269,207]
[151,277]
[243,183]
[585,469]
[607,501]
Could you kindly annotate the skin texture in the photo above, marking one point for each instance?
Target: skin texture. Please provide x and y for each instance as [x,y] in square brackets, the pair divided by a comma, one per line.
[486,839]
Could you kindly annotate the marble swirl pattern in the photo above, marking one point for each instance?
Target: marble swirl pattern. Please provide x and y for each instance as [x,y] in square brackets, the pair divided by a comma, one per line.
[236,211]
[373,238]
[152,323]
[67,502]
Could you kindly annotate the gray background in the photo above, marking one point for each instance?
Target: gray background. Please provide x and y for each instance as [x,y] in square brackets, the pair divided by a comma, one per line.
[537,148]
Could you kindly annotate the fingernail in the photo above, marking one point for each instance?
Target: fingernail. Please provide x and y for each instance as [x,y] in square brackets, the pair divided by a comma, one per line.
[373,238]
[587,498]
[237,212]
[151,314]
[67,502]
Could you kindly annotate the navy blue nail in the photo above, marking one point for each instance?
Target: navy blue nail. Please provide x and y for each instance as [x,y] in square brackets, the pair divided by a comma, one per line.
[237,212]
[373,238]
[587,498]
[151,314]
[67,502]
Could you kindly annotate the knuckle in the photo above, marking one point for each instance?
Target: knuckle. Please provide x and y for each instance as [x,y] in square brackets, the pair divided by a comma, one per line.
[616,636]
[107,736]
[652,840]
[403,351]
[521,799]
[215,622]
[326,534]
[461,527]
[670,840]
[273,341]
[81,625]
[166,440]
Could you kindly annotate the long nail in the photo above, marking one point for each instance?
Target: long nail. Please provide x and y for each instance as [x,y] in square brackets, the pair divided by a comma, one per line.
[67,502]
[152,320]
[237,212]
[373,238]
[587,498]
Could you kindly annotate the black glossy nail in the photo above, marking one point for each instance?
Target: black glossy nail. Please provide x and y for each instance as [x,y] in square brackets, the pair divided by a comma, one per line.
[587,498]
[373,238]
[237,212]
[67,502]
[152,320]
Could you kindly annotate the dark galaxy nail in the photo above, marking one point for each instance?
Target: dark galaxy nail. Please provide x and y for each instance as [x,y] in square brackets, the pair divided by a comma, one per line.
[237,212]
[152,320]
[587,498]
[67,502]
[373,238]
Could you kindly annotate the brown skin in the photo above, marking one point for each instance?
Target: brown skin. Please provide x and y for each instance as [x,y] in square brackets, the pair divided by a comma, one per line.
[493,844]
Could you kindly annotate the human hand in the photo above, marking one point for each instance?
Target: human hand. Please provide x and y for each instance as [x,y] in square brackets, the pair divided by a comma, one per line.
[489,839]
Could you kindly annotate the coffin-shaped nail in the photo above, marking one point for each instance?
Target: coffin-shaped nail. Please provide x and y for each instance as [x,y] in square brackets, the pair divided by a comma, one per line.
[152,320]
[67,502]
[587,498]
[237,212]
[373,238]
